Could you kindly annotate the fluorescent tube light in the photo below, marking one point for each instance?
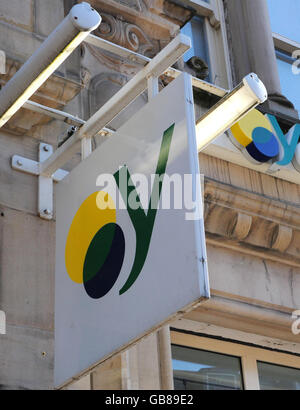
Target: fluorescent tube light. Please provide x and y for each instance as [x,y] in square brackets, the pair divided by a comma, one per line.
[230,109]
[81,20]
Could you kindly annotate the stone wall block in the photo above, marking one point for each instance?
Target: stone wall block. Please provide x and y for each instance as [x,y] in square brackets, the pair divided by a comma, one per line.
[18,13]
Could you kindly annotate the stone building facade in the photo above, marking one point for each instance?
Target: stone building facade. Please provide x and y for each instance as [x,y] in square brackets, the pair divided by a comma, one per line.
[252,216]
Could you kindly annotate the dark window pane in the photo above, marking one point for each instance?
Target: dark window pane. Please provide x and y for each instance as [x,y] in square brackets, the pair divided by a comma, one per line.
[273,377]
[195,369]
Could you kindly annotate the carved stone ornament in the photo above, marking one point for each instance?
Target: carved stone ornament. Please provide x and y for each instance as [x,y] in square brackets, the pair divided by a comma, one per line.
[281,238]
[113,62]
[199,67]
[128,35]
[116,30]
[141,13]
[244,220]
[239,226]
[102,87]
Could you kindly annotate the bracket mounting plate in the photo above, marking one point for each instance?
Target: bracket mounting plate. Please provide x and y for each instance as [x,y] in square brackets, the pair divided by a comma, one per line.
[45,189]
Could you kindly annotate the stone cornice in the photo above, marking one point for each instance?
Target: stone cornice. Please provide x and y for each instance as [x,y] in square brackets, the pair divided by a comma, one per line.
[56,92]
[252,223]
[239,320]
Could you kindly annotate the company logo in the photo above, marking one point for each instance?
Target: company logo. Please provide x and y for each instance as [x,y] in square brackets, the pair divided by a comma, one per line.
[263,140]
[95,245]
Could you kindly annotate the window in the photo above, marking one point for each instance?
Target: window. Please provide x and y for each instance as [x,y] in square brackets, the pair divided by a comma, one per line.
[207,31]
[204,363]
[195,29]
[202,370]
[285,25]
[273,377]
[290,82]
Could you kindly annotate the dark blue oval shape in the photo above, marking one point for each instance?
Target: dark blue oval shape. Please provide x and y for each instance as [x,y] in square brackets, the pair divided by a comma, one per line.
[102,282]
[264,145]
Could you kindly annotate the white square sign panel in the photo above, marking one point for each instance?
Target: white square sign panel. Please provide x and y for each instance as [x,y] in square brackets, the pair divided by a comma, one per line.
[130,242]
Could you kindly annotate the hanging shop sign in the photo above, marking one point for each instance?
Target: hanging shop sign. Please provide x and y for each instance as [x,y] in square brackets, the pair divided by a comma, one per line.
[262,140]
[130,242]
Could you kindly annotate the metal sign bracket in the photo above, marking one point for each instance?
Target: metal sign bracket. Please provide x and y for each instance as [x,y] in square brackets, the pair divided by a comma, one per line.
[45,184]
[48,167]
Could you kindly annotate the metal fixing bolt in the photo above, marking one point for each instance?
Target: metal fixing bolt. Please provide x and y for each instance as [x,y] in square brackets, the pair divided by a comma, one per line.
[133,58]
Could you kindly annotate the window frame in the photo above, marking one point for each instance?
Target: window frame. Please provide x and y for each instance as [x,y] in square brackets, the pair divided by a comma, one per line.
[285,44]
[249,355]
[216,37]
[218,353]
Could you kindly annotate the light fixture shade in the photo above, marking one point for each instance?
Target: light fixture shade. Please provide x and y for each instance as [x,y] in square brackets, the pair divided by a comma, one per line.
[76,26]
[230,109]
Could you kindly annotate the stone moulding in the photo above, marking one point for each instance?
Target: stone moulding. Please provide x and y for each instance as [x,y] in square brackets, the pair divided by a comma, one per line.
[116,30]
[270,326]
[125,34]
[252,223]
[281,238]
[239,226]
[56,92]
[153,25]
[176,12]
